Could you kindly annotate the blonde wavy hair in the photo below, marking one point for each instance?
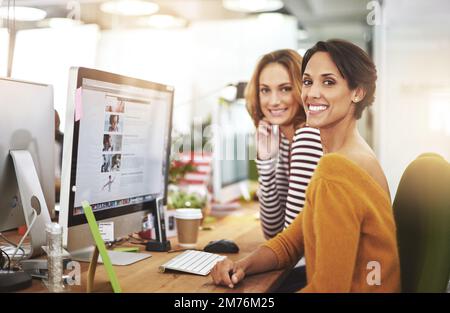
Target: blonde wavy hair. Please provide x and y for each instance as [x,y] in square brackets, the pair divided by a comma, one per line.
[292,62]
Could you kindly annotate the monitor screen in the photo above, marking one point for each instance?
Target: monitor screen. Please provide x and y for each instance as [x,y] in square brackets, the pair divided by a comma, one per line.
[120,145]
[233,148]
[236,135]
[236,169]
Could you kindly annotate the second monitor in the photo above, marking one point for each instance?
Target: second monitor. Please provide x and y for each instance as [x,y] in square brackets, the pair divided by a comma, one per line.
[233,149]
[27,185]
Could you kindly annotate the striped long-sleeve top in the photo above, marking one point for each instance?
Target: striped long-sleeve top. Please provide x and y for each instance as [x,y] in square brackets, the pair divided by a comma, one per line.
[283,180]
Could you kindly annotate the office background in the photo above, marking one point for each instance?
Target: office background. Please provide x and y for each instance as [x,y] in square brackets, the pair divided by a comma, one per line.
[408,39]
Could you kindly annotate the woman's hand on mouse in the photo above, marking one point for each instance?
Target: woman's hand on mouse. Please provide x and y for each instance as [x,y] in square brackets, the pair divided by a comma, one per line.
[267,141]
[227,273]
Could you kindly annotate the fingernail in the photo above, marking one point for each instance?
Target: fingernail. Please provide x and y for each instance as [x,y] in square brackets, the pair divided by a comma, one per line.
[231,286]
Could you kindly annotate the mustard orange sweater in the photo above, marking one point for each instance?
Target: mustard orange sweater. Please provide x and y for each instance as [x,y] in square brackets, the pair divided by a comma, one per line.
[346,232]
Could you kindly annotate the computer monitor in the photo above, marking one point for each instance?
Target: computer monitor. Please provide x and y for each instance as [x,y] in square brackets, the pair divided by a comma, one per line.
[233,134]
[27,180]
[115,154]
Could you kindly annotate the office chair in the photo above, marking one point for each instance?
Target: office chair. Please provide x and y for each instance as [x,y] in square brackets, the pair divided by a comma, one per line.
[422,214]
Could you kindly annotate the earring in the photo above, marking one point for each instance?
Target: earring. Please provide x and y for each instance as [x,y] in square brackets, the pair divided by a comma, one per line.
[356,99]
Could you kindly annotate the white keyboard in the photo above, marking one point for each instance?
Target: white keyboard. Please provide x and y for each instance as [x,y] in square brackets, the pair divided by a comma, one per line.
[194,262]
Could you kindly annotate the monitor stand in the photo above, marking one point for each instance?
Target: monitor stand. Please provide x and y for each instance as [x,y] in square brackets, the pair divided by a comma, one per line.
[117,257]
[225,209]
[33,202]
[32,198]
[245,192]
[228,206]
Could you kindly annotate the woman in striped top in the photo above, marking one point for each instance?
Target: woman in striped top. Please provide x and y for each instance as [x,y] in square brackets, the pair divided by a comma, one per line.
[274,102]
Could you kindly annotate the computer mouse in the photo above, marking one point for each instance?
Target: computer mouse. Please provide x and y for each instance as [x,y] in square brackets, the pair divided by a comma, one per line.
[221,246]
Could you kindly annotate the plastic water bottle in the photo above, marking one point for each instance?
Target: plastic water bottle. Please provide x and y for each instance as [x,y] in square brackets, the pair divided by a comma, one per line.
[54,257]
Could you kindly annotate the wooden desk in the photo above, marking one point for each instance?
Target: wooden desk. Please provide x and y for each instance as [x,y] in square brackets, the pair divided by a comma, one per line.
[143,276]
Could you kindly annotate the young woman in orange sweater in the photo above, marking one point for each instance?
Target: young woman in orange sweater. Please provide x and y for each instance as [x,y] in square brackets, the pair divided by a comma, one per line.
[346,230]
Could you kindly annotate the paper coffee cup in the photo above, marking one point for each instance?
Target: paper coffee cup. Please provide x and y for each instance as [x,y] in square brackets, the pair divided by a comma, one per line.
[188,222]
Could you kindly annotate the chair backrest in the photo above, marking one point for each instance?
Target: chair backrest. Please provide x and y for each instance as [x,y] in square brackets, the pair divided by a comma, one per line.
[422,214]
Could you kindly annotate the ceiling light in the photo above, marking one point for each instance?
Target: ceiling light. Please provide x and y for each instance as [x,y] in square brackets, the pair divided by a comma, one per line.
[129,7]
[251,6]
[164,21]
[59,22]
[25,14]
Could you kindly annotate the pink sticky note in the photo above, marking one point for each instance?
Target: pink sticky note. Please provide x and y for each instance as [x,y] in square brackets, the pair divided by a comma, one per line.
[78,105]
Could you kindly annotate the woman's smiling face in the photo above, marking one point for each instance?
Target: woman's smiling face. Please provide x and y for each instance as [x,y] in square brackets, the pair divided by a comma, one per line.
[325,93]
[276,95]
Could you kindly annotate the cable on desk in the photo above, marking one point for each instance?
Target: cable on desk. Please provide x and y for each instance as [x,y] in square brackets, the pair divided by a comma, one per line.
[9,260]
[13,245]
[26,234]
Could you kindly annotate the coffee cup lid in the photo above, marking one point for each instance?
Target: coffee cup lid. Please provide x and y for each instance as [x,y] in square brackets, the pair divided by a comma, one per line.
[188,214]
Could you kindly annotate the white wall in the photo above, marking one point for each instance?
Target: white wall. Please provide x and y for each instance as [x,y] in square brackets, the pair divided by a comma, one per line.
[46,55]
[412,110]
[4,46]
[198,61]
[227,51]
[162,56]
